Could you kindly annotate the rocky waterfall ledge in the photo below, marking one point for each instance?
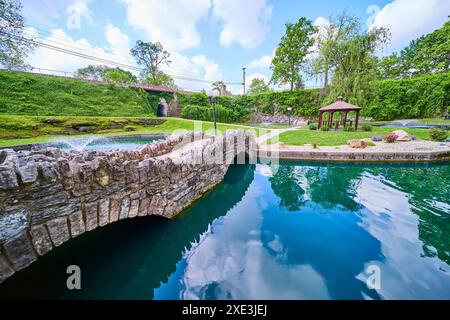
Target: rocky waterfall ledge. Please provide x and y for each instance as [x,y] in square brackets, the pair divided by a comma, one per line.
[48,197]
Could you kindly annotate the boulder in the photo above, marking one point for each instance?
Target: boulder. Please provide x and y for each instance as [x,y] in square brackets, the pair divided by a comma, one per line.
[402,135]
[355,143]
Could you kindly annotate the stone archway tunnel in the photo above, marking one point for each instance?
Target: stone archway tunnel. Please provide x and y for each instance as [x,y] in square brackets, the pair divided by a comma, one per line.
[48,197]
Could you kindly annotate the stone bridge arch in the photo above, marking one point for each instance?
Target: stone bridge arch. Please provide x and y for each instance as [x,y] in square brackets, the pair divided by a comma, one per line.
[50,196]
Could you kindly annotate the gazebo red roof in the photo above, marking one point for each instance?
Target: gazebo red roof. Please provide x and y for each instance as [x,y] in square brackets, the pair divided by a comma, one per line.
[340,105]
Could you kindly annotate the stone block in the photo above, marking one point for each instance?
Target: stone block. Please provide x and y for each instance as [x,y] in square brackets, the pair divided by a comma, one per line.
[103,212]
[48,171]
[144,204]
[26,168]
[12,224]
[91,216]
[20,251]
[134,208]
[115,210]
[58,230]
[41,215]
[41,239]
[6,270]
[8,178]
[125,208]
[54,199]
[77,225]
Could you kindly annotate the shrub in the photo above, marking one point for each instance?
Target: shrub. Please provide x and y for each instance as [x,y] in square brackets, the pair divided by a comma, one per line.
[391,137]
[438,134]
[313,126]
[371,144]
[206,113]
[349,129]
[376,138]
[366,127]
[324,128]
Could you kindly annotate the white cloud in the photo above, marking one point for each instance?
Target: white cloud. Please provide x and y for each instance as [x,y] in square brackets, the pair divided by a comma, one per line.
[76,11]
[198,66]
[409,19]
[244,22]
[263,62]
[54,60]
[119,42]
[170,22]
[250,78]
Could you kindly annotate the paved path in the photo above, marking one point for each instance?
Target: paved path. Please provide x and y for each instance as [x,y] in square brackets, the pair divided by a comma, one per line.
[272,133]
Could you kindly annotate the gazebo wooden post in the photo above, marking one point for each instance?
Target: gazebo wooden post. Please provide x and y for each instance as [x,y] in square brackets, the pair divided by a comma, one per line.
[356,120]
[320,118]
[345,118]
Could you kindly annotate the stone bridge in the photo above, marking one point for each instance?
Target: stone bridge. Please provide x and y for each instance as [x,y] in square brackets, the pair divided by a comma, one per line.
[48,197]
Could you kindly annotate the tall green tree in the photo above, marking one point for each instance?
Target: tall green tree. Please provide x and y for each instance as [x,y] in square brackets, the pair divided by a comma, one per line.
[425,55]
[258,85]
[15,46]
[119,77]
[295,45]
[151,56]
[329,35]
[161,79]
[390,67]
[92,72]
[355,63]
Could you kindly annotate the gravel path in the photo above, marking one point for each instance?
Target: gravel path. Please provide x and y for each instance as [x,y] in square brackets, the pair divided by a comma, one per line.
[411,146]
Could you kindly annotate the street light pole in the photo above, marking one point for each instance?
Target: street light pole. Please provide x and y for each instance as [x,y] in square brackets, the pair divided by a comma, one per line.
[215,118]
[289,115]
[213,101]
[243,77]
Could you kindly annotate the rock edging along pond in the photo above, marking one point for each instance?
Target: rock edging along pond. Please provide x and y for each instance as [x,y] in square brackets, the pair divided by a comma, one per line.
[50,196]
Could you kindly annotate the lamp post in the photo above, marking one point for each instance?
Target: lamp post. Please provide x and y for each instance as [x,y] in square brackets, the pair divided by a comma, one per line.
[289,115]
[213,99]
[243,78]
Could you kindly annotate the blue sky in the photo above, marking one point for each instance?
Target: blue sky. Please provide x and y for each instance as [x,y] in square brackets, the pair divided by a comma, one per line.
[208,39]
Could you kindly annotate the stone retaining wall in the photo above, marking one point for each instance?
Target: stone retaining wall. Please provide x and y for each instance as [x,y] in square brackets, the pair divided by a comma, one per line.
[48,197]
[359,156]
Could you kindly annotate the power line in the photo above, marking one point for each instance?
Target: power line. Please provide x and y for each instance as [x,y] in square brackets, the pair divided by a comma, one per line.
[173,74]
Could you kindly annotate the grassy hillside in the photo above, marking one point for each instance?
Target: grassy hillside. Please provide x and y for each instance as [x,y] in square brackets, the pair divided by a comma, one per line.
[39,95]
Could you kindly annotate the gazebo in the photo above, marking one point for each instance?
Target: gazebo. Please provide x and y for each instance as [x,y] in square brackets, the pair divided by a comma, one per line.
[338,106]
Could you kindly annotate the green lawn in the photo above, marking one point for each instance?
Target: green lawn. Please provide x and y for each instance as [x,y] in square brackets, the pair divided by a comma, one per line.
[17,130]
[336,138]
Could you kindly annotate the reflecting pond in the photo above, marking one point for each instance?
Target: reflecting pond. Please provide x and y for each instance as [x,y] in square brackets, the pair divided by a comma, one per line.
[300,231]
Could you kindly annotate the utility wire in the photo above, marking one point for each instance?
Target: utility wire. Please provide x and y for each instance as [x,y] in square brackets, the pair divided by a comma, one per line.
[107,60]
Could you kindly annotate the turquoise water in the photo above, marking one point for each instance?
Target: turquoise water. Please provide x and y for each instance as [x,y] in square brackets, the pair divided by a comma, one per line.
[95,143]
[306,231]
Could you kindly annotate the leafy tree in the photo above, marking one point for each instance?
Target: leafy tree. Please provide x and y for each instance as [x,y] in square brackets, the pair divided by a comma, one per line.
[425,55]
[14,46]
[291,52]
[355,64]
[258,86]
[92,72]
[162,79]
[390,67]
[151,56]
[329,35]
[119,77]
